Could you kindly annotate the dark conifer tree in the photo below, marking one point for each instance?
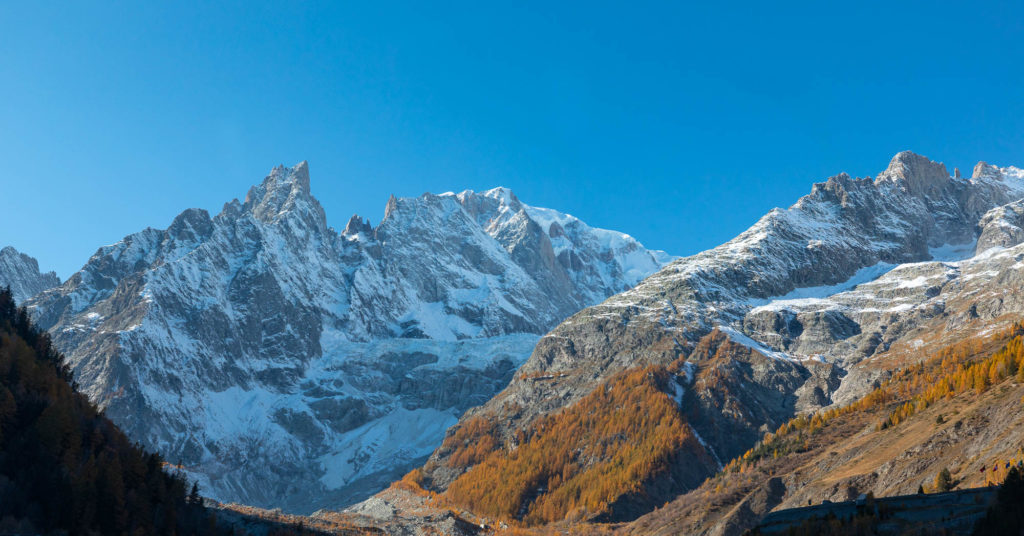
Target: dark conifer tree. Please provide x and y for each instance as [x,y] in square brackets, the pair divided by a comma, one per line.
[1006,516]
[193,496]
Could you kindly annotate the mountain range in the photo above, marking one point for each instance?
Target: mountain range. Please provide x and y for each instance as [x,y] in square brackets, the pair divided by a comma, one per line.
[534,370]
[285,364]
[812,308]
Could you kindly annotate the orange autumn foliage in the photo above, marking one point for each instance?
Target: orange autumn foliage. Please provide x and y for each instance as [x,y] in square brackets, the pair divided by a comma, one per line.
[947,376]
[580,460]
[412,482]
[471,442]
[951,371]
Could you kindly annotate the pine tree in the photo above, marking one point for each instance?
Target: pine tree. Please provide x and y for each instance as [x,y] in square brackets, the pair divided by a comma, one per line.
[193,496]
[943,481]
[980,382]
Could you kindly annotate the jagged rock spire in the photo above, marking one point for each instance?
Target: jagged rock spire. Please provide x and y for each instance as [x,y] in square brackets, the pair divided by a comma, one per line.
[391,206]
[356,225]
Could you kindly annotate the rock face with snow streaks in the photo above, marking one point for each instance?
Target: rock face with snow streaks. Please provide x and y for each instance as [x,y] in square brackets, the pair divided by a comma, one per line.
[288,365]
[1001,227]
[21,273]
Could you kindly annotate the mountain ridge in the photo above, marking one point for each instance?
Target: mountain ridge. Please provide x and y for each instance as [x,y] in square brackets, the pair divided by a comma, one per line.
[263,347]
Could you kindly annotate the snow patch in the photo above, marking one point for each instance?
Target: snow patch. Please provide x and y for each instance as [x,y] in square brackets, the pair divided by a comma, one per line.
[861,276]
[740,338]
[707,448]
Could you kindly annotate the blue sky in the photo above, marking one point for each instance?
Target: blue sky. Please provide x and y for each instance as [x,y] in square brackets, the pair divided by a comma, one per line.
[678,124]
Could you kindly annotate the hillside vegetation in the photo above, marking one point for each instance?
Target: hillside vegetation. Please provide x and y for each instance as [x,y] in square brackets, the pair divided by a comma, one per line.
[1005,516]
[943,376]
[953,420]
[579,462]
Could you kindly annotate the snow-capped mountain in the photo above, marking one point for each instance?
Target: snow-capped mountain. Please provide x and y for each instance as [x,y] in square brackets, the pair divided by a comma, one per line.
[830,293]
[21,272]
[285,364]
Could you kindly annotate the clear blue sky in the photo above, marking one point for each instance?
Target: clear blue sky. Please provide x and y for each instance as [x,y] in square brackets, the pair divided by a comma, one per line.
[680,125]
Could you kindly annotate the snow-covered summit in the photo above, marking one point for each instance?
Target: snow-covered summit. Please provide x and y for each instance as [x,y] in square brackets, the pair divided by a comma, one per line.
[846,224]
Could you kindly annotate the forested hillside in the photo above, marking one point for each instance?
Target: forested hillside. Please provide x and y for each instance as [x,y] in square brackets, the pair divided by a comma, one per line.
[63,465]
[67,469]
[557,466]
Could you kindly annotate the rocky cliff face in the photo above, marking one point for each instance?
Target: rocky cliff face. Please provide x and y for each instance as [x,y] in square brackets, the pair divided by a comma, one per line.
[826,293]
[288,365]
[21,273]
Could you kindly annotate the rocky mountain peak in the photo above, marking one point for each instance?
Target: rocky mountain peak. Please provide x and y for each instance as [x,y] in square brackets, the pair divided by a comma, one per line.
[814,300]
[487,206]
[504,195]
[836,188]
[21,272]
[917,174]
[231,209]
[984,170]
[325,365]
[391,206]
[282,191]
